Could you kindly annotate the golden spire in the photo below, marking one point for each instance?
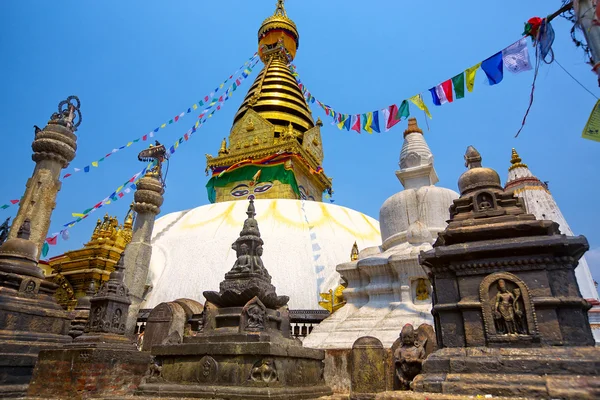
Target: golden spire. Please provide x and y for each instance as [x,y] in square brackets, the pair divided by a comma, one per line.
[128,223]
[412,127]
[354,252]
[223,149]
[515,160]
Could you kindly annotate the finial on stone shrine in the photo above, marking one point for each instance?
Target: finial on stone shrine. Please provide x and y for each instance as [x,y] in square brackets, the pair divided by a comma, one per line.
[251,213]
[354,252]
[68,113]
[24,230]
[413,127]
[472,158]
[515,161]
[280,10]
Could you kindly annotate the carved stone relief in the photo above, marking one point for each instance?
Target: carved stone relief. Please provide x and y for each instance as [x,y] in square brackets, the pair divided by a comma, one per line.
[264,371]
[207,370]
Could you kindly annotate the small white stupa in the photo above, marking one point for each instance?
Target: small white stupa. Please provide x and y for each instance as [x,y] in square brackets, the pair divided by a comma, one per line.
[387,288]
[540,202]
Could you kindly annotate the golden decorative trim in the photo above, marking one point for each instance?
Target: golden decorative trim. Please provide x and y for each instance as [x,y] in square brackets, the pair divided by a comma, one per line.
[515,160]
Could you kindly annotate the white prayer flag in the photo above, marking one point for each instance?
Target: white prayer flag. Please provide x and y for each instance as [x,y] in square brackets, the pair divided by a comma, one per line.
[439,90]
[516,57]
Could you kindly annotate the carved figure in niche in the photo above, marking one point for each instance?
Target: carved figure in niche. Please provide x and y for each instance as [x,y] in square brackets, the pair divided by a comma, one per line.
[30,288]
[485,202]
[519,314]
[244,261]
[504,310]
[258,261]
[96,320]
[409,357]
[116,320]
[264,371]
[422,292]
[154,373]
[256,318]
[249,126]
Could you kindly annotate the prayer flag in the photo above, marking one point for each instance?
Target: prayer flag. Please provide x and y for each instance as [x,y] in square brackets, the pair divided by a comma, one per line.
[176,118]
[516,57]
[376,121]
[493,68]
[52,240]
[459,85]
[393,117]
[172,149]
[206,98]
[144,138]
[434,96]
[195,106]
[14,201]
[404,110]
[592,128]
[447,89]
[418,101]
[86,168]
[66,176]
[470,74]
[45,249]
[386,116]
[170,121]
[185,136]
[341,124]
[368,118]
[348,123]
[95,164]
[163,125]
[79,169]
[356,123]
[121,194]
[546,38]
[65,234]
[77,215]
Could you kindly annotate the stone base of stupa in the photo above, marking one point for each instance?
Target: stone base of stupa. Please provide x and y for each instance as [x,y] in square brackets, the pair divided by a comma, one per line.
[548,372]
[237,366]
[89,370]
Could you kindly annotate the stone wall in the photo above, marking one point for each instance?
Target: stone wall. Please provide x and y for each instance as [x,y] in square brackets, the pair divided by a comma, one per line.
[82,374]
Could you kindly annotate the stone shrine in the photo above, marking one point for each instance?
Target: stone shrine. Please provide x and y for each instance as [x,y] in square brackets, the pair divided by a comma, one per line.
[508,312]
[243,349]
[101,362]
[387,288]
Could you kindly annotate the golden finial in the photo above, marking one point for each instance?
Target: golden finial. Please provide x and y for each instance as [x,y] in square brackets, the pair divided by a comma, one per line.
[354,252]
[319,122]
[412,127]
[128,223]
[280,10]
[223,150]
[515,160]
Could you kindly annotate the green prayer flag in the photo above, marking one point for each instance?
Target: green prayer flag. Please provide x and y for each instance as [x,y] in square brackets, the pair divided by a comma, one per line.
[171,121]
[459,85]
[404,110]
[234,86]
[136,140]
[4,207]
[201,103]
[102,159]
[45,249]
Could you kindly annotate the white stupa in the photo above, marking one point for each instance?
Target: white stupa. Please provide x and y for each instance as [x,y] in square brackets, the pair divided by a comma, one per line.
[387,288]
[539,202]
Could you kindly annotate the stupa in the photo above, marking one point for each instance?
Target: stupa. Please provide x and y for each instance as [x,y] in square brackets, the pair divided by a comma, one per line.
[539,201]
[243,349]
[274,156]
[387,288]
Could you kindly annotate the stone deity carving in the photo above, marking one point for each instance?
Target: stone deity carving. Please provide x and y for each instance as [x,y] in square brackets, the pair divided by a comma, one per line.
[264,371]
[504,310]
[244,261]
[409,357]
[520,323]
[256,318]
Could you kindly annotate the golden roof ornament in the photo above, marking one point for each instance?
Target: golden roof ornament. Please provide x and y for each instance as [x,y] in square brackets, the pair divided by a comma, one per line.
[354,252]
[334,299]
[223,150]
[515,160]
[413,127]
[275,28]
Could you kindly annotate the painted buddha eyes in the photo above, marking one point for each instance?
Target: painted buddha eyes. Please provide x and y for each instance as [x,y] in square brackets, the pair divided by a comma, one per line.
[245,190]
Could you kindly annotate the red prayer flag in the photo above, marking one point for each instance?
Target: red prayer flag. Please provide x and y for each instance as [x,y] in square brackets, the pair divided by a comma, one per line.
[177,118]
[221,99]
[205,98]
[14,201]
[447,87]
[393,116]
[186,136]
[356,126]
[66,176]
[52,240]
[144,138]
[121,194]
[237,81]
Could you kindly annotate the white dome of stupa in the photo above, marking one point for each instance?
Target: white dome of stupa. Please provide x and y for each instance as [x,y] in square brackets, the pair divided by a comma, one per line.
[304,241]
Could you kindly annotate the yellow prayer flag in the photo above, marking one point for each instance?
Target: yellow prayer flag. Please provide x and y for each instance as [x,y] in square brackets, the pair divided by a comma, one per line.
[195,106]
[129,144]
[418,101]
[197,123]
[221,85]
[592,128]
[176,144]
[94,163]
[340,124]
[107,202]
[119,189]
[78,215]
[163,125]
[369,122]
[470,74]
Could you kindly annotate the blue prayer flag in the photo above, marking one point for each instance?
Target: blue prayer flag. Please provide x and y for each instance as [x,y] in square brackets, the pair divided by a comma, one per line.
[435,97]
[493,68]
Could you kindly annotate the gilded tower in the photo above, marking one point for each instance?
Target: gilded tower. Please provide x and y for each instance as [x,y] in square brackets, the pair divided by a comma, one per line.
[274,149]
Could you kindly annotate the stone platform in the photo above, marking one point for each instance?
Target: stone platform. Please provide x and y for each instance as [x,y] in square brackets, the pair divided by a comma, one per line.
[569,372]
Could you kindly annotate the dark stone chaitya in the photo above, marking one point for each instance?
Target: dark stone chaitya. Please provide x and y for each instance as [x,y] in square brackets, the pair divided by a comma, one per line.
[102,361]
[509,317]
[30,317]
[243,348]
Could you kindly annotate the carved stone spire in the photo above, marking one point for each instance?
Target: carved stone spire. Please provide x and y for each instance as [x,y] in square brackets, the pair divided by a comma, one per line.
[248,277]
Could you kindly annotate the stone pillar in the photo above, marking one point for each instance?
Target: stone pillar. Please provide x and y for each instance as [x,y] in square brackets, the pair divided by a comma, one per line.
[30,317]
[147,201]
[53,148]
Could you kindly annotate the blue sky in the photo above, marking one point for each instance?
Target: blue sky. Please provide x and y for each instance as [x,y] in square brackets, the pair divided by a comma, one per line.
[136,64]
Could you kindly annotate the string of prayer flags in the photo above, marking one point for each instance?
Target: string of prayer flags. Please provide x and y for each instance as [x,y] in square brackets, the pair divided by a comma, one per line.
[247,69]
[12,203]
[514,57]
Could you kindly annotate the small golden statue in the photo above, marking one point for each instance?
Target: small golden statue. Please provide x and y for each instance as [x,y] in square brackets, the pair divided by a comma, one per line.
[223,150]
[422,292]
[333,300]
[249,126]
[354,252]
